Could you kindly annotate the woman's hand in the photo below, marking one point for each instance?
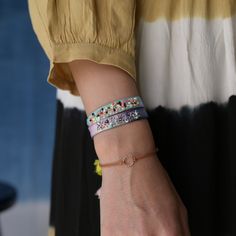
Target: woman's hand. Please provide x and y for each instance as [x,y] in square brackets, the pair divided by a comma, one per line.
[141,201]
[134,201]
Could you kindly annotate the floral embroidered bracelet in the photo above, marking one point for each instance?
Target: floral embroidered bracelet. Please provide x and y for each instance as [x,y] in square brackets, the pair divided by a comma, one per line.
[113,108]
[117,120]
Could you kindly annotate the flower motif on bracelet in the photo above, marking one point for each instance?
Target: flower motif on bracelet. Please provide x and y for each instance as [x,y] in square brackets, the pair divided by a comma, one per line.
[115,107]
[117,120]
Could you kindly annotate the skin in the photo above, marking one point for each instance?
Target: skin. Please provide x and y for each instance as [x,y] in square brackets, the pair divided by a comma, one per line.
[137,201]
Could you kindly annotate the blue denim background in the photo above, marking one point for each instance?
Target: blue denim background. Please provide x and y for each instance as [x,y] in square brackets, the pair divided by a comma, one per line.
[27,107]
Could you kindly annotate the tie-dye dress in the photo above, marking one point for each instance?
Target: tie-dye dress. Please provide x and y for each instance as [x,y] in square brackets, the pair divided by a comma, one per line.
[182,55]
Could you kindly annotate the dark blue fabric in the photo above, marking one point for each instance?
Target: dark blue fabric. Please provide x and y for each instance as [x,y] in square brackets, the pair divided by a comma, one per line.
[27,105]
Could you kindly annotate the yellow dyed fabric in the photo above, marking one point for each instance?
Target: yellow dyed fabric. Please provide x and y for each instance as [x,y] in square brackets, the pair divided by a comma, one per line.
[172,10]
[98,30]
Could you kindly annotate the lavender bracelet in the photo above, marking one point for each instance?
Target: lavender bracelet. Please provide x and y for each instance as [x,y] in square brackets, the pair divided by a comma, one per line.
[117,120]
[113,108]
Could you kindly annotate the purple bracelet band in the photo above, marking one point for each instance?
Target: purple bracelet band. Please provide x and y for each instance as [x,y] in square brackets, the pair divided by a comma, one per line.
[118,119]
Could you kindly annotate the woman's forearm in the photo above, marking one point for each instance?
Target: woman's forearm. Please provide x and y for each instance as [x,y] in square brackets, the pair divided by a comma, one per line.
[142,196]
[100,84]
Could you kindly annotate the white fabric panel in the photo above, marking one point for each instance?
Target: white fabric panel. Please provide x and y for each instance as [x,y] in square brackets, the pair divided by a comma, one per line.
[186,62]
[69,100]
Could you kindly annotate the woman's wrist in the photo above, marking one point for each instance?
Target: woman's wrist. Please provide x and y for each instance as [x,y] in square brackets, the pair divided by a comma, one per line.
[135,137]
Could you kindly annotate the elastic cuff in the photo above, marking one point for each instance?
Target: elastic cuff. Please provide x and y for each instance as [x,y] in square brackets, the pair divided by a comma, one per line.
[60,75]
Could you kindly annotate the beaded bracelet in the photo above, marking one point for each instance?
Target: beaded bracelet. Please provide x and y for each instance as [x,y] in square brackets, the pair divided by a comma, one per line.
[114,107]
[118,119]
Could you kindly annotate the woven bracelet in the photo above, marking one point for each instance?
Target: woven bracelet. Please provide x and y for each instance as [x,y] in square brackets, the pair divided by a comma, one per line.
[113,108]
[117,120]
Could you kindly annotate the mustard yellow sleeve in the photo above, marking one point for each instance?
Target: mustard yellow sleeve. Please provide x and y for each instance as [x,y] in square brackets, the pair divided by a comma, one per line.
[98,30]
